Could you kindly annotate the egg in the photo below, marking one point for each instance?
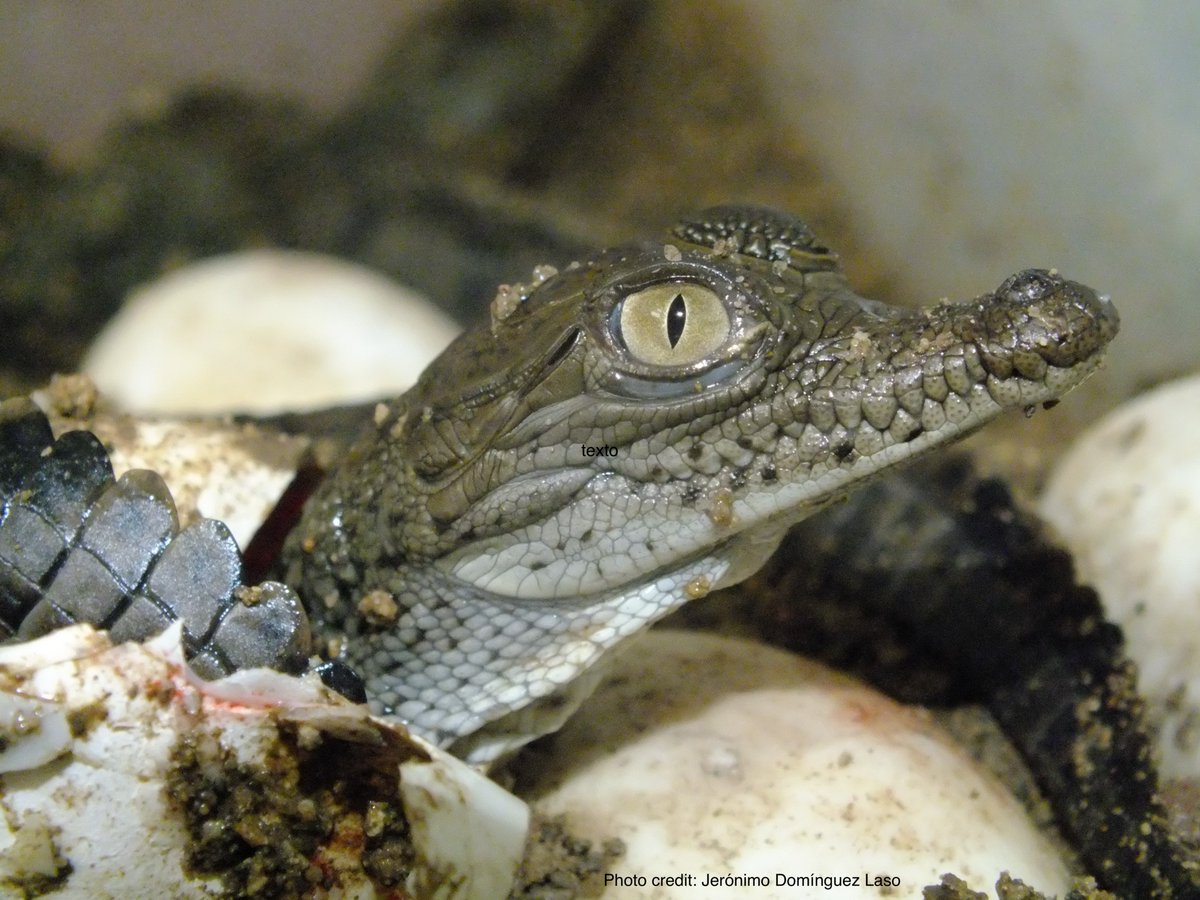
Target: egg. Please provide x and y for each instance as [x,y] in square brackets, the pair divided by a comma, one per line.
[265,331]
[1125,499]
[728,768]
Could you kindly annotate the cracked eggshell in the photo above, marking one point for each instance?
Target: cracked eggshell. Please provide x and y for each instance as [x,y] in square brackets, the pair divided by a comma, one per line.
[1126,500]
[155,768]
[710,756]
[263,332]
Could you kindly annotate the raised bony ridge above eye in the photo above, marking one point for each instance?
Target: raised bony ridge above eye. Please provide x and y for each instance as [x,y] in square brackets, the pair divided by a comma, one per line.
[676,323]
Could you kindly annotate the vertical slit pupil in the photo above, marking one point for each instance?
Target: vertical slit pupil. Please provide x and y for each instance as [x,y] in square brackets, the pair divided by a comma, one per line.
[676,319]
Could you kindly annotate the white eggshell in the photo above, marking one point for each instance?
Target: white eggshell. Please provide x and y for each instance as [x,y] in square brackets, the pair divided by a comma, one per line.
[265,331]
[1126,500]
[713,757]
[89,808]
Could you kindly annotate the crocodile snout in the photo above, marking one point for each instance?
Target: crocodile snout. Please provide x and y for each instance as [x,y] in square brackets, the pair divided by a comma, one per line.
[1060,321]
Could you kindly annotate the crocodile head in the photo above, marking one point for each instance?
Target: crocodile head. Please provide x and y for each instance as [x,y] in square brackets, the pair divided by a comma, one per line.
[641,428]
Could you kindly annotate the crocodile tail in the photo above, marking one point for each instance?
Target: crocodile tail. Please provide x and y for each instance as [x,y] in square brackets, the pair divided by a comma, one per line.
[954,566]
[80,546]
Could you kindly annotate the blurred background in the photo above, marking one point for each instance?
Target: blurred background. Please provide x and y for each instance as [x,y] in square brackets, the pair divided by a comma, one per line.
[938,146]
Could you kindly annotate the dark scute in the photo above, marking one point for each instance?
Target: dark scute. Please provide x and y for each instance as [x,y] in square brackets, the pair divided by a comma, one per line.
[754,231]
[24,433]
[338,676]
[130,524]
[196,576]
[273,631]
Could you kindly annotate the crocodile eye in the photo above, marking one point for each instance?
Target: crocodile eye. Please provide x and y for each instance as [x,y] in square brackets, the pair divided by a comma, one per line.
[672,324]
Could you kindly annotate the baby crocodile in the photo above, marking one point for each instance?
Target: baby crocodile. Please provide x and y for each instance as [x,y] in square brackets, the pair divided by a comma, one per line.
[620,438]
[634,432]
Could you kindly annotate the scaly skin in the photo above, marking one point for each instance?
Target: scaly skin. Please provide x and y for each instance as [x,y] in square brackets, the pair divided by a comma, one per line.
[77,545]
[476,562]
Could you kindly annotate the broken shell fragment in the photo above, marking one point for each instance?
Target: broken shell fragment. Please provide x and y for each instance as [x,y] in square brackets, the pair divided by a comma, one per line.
[144,780]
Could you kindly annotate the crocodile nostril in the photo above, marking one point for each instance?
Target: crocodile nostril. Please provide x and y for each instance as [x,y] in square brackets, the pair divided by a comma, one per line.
[1032,285]
[1065,322]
